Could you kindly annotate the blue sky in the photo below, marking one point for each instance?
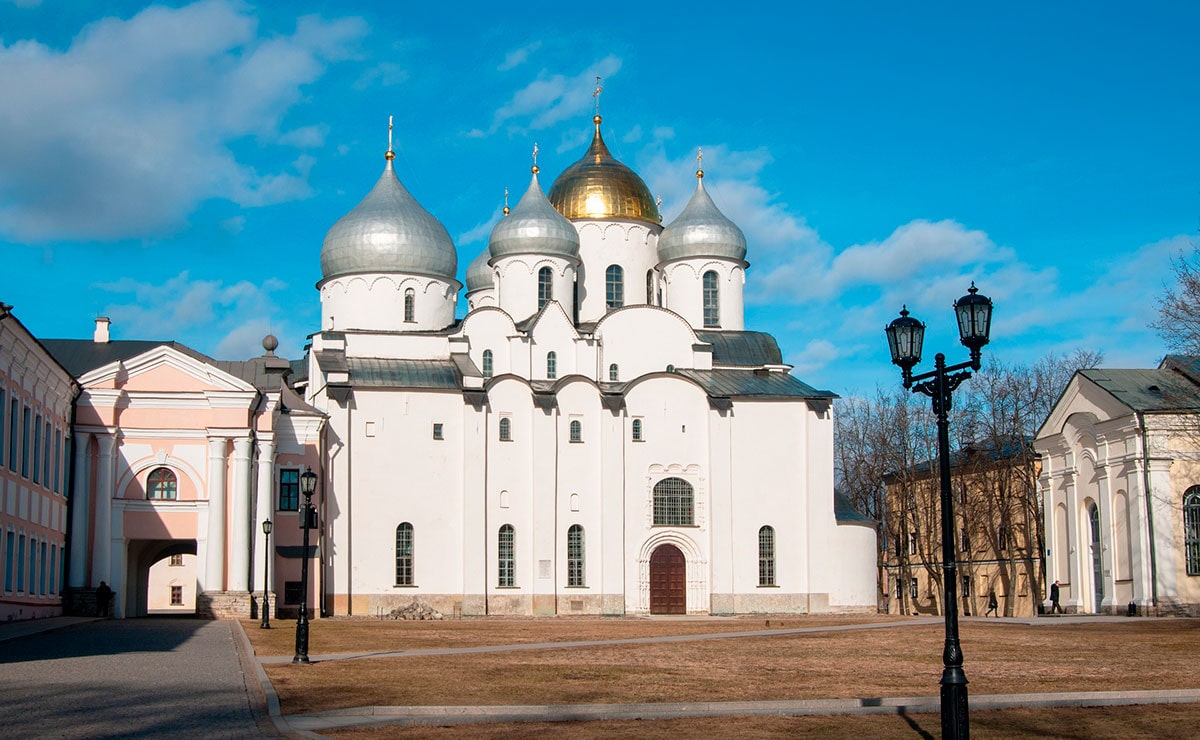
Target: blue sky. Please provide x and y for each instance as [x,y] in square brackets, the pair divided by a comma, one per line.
[175,166]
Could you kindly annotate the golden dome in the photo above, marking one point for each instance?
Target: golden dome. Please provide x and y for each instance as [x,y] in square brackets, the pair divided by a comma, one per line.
[600,187]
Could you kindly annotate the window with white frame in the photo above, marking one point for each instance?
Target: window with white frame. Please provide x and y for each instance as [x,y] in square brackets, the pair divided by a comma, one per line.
[404,554]
[614,286]
[161,485]
[505,429]
[506,557]
[410,305]
[766,556]
[487,363]
[638,430]
[551,365]
[576,430]
[545,286]
[712,300]
[912,588]
[289,489]
[1191,530]
[614,373]
[575,556]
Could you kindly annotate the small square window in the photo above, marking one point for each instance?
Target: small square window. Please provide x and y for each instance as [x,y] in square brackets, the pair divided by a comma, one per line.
[176,595]
[176,561]
[437,431]
[291,592]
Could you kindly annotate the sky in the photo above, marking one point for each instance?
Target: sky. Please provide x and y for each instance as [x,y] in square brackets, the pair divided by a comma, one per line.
[175,166]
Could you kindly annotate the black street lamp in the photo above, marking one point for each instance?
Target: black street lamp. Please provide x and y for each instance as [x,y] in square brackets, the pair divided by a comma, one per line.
[905,337]
[308,484]
[266,604]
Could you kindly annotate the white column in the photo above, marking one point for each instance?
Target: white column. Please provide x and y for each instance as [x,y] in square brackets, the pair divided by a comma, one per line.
[214,571]
[264,510]
[80,493]
[101,547]
[240,513]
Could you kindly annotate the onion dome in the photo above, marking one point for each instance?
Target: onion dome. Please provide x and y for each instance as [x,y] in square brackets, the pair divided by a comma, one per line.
[479,275]
[534,227]
[388,232]
[598,187]
[701,230]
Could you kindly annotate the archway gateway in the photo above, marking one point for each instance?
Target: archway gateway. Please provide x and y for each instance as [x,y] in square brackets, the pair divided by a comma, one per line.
[668,581]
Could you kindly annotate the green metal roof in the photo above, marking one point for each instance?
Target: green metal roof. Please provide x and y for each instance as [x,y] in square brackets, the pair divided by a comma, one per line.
[742,348]
[1148,390]
[726,383]
[373,372]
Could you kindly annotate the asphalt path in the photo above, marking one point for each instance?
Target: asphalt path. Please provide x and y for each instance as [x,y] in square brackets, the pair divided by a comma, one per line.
[156,677]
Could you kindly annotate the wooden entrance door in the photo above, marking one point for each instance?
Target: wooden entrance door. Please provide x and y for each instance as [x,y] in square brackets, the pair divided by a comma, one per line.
[668,581]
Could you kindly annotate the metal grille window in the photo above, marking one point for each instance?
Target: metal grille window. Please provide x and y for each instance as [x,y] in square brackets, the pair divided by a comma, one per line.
[614,286]
[712,300]
[650,287]
[487,363]
[506,558]
[673,503]
[551,365]
[545,286]
[576,431]
[637,430]
[506,430]
[289,490]
[410,310]
[614,373]
[161,485]
[404,554]
[766,556]
[1191,529]
[575,555]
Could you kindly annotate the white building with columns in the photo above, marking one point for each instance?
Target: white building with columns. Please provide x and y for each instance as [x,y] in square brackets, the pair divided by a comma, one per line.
[1120,487]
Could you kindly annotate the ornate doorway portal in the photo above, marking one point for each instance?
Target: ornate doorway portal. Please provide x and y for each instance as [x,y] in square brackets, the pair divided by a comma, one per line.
[668,581]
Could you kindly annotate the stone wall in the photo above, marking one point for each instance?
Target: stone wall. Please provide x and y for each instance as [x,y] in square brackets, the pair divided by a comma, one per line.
[223,605]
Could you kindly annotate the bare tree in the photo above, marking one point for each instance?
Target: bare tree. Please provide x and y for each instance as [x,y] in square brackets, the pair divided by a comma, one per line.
[1178,321]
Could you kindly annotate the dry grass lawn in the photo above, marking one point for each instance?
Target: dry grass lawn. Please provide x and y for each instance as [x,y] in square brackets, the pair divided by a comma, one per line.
[905,660]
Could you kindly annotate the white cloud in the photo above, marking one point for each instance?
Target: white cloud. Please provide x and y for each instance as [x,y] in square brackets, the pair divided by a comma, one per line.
[478,232]
[126,131]
[553,98]
[517,57]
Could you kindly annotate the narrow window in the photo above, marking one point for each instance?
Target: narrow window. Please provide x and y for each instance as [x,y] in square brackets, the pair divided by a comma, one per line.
[614,286]
[42,570]
[637,430]
[614,373]
[57,457]
[289,490]
[487,363]
[12,435]
[20,563]
[545,286]
[966,540]
[404,554]
[576,431]
[551,365]
[650,287]
[437,431]
[766,556]
[912,543]
[37,448]
[161,485]
[1191,530]
[912,588]
[25,421]
[673,502]
[966,586]
[1002,538]
[505,429]
[2,426]
[53,568]
[410,309]
[176,595]
[10,545]
[575,556]
[506,558]
[712,300]
[47,443]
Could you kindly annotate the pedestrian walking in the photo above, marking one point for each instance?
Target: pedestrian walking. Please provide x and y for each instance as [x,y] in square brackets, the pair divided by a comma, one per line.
[993,604]
[1054,607]
[104,596]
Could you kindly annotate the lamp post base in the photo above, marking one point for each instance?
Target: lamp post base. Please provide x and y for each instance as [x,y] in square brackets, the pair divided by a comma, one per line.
[955,718]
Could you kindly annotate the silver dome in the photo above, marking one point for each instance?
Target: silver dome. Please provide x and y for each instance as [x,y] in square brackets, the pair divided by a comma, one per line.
[534,227]
[388,232]
[701,231]
[479,275]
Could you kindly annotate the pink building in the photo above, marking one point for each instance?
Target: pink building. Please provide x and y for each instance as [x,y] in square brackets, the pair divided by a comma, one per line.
[35,417]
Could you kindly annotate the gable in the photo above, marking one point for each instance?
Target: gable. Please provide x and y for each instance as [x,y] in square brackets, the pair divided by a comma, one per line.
[1082,397]
[163,369]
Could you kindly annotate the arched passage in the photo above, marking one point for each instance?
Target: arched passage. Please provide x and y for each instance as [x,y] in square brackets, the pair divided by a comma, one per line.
[141,556]
[668,580]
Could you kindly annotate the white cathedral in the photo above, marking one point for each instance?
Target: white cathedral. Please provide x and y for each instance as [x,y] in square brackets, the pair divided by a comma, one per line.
[598,435]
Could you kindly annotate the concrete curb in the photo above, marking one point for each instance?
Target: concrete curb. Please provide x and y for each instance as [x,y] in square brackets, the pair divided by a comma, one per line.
[458,715]
[282,724]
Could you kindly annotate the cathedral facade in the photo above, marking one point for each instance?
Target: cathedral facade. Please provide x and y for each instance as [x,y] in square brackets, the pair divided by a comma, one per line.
[599,434]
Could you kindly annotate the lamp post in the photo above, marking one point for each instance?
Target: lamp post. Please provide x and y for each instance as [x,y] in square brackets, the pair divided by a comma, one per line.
[266,604]
[308,484]
[905,337]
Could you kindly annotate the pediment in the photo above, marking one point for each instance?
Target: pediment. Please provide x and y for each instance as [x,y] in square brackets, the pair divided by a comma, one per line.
[164,369]
[1082,399]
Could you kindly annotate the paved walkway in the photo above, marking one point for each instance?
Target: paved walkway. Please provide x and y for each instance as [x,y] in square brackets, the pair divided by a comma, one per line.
[157,677]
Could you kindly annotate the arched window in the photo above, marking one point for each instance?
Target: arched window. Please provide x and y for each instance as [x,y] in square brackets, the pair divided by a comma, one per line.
[637,430]
[410,299]
[712,300]
[545,286]
[614,286]
[506,557]
[487,363]
[1191,529]
[673,503]
[766,556]
[650,287]
[576,431]
[575,556]
[551,365]
[161,485]
[614,373]
[505,429]
[404,554]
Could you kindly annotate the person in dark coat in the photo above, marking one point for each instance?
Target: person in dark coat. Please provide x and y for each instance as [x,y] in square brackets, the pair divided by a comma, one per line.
[104,596]
[1054,607]
[993,604]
